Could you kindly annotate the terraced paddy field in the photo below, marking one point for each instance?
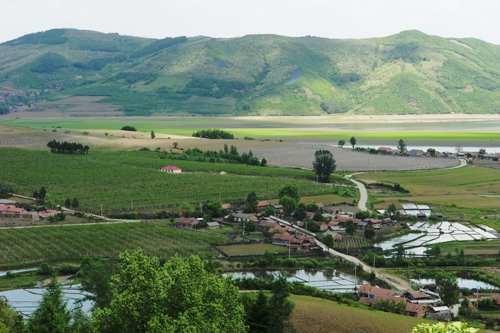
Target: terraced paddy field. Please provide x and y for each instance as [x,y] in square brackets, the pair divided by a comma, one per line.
[315,315]
[461,187]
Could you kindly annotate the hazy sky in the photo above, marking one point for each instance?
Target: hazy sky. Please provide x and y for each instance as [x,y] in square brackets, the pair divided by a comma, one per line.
[230,18]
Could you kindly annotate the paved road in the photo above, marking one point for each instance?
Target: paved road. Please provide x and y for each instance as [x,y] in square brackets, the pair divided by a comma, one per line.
[394,281]
[363,194]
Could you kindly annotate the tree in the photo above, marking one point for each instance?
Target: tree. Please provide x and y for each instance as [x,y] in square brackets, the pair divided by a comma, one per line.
[401,146]
[51,314]
[186,208]
[11,321]
[369,233]
[289,204]
[150,298]
[35,194]
[458,149]
[362,215]
[481,152]
[263,162]
[400,251]
[75,203]
[153,135]
[96,281]
[214,208]
[270,211]
[290,190]
[175,144]
[318,217]
[311,225]
[353,142]
[350,228]
[341,143]
[252,199]
[328,240]
[431,151]
[324,165]
[258,312]
[449,292]
[226,150]
[250,225]
[391,209]
[282,307]
[67,203]
[42,194]
[300,213]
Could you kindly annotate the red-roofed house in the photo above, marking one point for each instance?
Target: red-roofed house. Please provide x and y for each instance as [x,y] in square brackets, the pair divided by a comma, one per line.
[261,205]
[282,239]
[171,169]
[184,222]
[416,310]
[418,296]
[371,292]
[227,207]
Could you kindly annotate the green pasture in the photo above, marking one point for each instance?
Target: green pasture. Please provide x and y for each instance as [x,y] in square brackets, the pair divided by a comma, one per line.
[460,186]
[272,129]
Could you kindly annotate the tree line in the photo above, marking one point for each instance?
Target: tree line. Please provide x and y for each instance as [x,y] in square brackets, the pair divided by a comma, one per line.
[67,147]
[213,134]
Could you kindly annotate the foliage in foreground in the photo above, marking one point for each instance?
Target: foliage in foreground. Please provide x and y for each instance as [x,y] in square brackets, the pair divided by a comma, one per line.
[181,296]
[452,327]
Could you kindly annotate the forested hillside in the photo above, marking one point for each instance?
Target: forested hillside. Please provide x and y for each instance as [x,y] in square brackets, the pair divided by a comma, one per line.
[407,73]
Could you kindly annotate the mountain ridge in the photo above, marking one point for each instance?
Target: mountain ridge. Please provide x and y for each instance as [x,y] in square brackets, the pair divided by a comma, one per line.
[405,73]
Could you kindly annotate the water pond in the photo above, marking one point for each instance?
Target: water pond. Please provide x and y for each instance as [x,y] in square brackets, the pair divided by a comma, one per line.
[464,283]
[26,301]
[325,279]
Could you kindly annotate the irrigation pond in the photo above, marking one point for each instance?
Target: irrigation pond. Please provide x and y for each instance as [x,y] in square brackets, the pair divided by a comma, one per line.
[324,279]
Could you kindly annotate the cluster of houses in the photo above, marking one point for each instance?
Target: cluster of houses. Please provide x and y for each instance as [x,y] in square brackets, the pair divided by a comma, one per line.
[420,304]
[418,152]
[8,210]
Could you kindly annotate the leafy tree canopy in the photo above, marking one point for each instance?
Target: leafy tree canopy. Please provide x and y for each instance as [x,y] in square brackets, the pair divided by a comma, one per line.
[324,165]
[290,190]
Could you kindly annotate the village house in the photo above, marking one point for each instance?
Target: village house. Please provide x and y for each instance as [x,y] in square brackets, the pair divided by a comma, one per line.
[228,207]
[416,310]
[371,291]
[47,213]
[387,150]
[373,224]
[278,208]
[322,226]
[213,225]
[171,169]
[266,224]
[441,313]
[261,205]
[415,152]
[184,222]
[282,239]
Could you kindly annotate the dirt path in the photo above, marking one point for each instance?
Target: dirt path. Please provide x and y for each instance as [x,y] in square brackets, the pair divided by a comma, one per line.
[363,194]
[394,281]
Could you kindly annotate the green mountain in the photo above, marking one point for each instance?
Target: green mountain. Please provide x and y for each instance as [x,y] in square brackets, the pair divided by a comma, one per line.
[407,73]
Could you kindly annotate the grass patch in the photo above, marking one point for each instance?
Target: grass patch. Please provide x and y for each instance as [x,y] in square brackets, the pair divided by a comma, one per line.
[252,249]
[323,316]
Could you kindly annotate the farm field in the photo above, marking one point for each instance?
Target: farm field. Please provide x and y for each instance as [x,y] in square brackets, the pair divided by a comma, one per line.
[302,155]
[315,315]
[460,186]
[102,240]
[472,248]
[101,179]
[303,128]
[252,249]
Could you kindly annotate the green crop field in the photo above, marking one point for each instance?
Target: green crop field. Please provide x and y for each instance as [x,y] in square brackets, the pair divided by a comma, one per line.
[102,240]
[460,186]
[115,179]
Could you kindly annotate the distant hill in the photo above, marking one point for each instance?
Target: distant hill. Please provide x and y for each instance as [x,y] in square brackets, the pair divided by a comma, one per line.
[407,73]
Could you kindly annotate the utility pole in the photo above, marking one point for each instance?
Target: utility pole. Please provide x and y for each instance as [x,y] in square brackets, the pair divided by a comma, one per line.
[101,209]
[201,207]
[132,204]
[244,227]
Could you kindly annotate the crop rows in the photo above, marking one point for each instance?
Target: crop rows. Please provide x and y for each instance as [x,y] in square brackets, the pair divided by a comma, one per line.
[105,179]
[102,241]
[302,155]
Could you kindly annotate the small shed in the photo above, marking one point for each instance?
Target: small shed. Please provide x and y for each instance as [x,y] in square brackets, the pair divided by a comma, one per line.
[213,225]
[171,169]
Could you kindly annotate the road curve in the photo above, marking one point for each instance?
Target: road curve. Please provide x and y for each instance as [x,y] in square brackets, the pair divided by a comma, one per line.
[363,194]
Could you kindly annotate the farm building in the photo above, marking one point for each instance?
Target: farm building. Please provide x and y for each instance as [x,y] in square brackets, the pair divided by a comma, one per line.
[213,225]
[416,310]
[171,169]
[261,205]
[184,222]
